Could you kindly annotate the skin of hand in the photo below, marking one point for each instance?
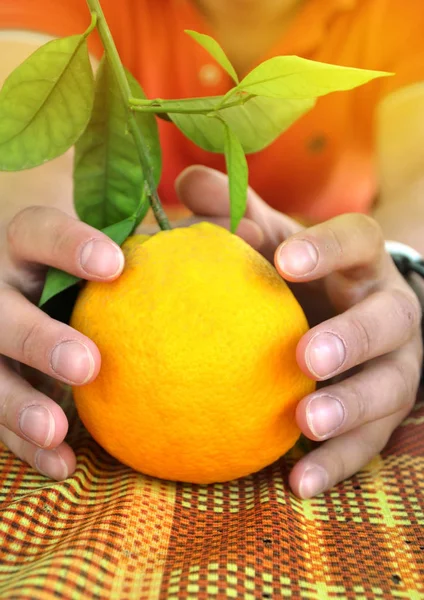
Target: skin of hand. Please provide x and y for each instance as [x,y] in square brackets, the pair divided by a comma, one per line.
[32,425]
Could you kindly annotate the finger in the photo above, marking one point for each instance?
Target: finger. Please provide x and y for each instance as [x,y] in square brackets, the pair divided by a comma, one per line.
[56,464]
[205,192]
[35,339]
[341,457]
[384,387]
[28,413]
[50,237]
[380,324]
[352,244]
[247,230]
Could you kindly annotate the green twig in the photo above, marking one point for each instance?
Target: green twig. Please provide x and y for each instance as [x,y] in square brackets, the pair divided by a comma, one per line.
[92,25]
[119,72]
[174,107]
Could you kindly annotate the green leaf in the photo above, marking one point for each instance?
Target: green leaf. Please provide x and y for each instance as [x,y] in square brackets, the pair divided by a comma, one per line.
[58,281]
[45,104]
[261,121]
[215,50]
[298,78]
[257,123]
[207,133]
[108,178]
[238,177]
[118,232]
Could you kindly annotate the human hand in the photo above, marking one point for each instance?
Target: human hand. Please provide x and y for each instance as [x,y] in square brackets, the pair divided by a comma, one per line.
[32,425]
[372,345]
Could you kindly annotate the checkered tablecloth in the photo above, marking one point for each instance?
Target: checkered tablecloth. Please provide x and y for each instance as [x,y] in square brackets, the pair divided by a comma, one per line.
[110,533]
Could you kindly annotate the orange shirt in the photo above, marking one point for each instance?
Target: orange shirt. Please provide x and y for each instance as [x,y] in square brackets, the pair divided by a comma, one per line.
[324,164]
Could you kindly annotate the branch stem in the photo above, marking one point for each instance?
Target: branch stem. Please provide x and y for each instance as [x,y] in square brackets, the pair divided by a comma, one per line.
[177,107]
[119,72]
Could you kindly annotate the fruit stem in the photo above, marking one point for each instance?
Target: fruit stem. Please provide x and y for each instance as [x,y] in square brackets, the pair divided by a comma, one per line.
[119,72]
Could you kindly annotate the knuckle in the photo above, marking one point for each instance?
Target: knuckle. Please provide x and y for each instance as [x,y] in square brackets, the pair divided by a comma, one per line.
[55,230]
[371,229]
[403,378]
[336,243]
[17,223]
[339,233]
[340,466]
[7,402]
[408,307]
[63,236]
[362,338]
[368,234]
[337,462]
[28,343]
[361,403]
[405,383]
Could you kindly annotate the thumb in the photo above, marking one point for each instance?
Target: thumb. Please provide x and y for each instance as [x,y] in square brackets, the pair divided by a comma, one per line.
[204,192]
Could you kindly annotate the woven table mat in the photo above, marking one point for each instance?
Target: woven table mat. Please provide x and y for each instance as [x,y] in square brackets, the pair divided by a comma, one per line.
[110,533]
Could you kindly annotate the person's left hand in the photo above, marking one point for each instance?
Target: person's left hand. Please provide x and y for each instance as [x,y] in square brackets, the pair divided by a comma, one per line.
[372,346]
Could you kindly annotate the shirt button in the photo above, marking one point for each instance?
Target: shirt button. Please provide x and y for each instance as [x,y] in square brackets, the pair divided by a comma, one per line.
[210,75]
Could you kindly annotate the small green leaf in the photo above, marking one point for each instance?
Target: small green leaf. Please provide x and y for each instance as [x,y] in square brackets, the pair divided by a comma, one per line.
[298,78]
[58,281]
[108,178]
[238,177]
[257,123]
[215,50]
[45,104]
[118,232]
[207,133]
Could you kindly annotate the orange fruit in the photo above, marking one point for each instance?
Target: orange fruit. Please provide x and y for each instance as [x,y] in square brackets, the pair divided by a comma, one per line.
[199,380]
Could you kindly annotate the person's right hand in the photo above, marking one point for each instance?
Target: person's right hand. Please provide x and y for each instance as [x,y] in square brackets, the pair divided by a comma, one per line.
[32,425]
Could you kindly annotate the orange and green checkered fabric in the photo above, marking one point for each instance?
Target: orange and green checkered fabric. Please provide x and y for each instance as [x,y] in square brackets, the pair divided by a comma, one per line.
[110,533]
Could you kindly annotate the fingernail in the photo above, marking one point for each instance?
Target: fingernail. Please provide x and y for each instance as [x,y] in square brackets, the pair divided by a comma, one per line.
[37,425]
[325,354]
[73,361]
[313,482]
[298,257]
[324,415]
[102,259]
[50,464]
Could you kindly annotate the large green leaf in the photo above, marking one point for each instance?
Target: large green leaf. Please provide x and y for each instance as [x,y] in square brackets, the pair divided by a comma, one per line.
[238,177]
[257,123]
[45,104]
[298,78]
[58,281]
[108,178]
[261,121]
[215,50]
